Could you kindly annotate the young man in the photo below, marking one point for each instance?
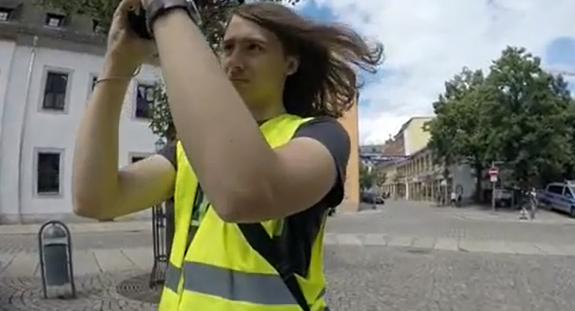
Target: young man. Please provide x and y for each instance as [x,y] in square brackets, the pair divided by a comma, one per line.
[260,156]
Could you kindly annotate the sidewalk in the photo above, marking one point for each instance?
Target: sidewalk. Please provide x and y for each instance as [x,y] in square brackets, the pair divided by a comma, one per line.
[88,227]
[115,260]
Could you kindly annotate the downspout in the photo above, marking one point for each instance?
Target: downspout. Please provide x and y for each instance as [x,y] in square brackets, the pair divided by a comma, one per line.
[23,128]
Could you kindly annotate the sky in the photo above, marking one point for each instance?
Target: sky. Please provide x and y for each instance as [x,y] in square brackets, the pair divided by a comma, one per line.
[429,41]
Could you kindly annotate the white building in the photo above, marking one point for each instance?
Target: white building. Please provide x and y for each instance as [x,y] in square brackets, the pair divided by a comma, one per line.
[45,82]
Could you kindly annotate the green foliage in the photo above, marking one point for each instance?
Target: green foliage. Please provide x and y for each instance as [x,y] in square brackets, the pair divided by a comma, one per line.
[214,14]
[529,110]
[367,176]
[518,114]
[456,132]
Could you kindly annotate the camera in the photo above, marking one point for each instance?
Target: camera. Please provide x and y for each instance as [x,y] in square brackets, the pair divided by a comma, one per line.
[138,23]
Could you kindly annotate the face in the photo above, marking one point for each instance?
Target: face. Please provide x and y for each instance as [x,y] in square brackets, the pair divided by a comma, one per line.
[254,61]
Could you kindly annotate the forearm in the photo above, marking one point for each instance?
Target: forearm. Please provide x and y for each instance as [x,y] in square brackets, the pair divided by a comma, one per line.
[95,167]
[220,136]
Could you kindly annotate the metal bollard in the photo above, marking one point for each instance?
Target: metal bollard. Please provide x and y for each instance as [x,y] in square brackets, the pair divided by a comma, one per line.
[55,249]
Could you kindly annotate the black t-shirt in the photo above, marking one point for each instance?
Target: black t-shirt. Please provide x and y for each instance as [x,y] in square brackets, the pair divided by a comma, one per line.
[300,230]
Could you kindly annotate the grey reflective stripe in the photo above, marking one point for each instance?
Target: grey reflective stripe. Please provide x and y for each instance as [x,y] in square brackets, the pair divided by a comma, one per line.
[236,285]
[172,278]
[233,285]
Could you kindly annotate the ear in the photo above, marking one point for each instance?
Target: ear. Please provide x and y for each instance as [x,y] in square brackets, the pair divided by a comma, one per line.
[292,65]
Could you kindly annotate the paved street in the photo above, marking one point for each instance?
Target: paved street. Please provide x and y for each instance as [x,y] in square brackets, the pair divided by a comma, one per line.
[404,256]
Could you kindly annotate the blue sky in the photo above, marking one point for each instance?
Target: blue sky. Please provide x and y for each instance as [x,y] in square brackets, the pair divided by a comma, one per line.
[426,45]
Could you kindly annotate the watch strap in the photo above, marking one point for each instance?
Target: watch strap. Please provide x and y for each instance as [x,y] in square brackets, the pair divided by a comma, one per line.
[158,8]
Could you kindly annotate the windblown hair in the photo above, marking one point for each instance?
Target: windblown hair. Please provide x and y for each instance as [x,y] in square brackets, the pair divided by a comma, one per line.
[329,55]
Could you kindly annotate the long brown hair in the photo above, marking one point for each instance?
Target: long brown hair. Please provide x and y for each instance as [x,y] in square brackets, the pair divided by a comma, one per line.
[329,55]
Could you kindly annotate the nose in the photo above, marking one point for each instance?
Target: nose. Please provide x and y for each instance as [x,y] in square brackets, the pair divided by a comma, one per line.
[234,63]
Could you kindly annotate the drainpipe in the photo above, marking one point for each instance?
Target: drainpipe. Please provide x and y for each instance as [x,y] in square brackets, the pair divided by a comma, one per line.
[23,127]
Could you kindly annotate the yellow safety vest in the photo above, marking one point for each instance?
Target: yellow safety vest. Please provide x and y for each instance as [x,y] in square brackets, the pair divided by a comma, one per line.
[220,271]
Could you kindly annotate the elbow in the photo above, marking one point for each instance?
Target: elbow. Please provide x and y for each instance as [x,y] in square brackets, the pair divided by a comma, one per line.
[247,205]
[89,208]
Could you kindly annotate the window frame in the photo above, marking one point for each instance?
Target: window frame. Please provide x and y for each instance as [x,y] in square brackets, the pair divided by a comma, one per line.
[49,16]
[93,77]
[57,70]
[62,154]
[139,83]
[9,14]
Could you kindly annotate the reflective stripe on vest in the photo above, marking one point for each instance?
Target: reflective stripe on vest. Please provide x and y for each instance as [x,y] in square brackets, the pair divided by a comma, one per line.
[266,289]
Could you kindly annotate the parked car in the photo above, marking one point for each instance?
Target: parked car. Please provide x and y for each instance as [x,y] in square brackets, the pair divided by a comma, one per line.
[559,196]
[371,197]
[503,197]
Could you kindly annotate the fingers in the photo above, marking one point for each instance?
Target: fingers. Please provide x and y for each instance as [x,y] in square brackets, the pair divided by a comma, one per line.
[126,6]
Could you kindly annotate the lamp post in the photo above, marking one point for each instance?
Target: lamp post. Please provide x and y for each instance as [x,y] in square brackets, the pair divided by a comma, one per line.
[159,144]
[160,236]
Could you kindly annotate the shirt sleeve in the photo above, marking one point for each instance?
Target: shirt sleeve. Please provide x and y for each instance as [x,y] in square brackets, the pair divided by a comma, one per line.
[169,152]
[335,138]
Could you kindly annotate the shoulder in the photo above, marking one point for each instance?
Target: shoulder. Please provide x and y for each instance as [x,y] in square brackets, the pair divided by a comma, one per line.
[331,133]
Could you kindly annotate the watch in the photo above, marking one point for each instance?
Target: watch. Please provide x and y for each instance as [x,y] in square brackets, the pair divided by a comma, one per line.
[158,8]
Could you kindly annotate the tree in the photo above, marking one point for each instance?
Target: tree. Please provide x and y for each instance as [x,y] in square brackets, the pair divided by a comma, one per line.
[530,118]
[457,132]
[214,14]
[367,176]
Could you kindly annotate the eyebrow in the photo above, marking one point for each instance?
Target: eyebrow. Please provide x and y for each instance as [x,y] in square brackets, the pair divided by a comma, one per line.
[245,39]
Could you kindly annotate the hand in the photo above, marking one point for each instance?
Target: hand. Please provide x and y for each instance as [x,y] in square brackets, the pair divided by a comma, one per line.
[125,47]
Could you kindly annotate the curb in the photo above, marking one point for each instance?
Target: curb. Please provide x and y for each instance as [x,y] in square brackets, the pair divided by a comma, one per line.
[117,226]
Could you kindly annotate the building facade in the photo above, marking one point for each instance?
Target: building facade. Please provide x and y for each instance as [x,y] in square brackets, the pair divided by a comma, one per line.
[49,63]
[410,138]
[351,123]
[418,178]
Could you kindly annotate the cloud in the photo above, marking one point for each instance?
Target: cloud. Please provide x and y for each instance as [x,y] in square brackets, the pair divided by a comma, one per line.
[427,42]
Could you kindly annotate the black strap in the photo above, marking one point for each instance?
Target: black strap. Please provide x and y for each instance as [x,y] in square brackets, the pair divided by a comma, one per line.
[259,239]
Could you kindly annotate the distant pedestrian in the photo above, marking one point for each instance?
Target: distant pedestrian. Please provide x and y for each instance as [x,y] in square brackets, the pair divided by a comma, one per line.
[453,198]
[532,202]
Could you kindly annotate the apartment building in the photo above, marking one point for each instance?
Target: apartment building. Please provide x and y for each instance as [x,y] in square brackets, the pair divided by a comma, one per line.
[49,63]
[410,138]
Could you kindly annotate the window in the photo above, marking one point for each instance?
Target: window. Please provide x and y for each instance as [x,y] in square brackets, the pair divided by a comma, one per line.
[48,172]
[5,14]
[556,189]
[54,20]
[55,91]
[93,84]
[144,100]
[135,159]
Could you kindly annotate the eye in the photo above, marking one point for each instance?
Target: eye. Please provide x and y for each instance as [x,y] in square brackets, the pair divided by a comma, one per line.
[227,48]
[255,47]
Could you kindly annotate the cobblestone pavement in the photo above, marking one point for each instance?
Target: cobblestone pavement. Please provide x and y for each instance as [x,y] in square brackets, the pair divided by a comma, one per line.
[394,279]
[365,279]
[411,274]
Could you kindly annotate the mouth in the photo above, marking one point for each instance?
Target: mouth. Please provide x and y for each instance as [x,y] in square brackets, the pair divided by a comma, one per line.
[239,81]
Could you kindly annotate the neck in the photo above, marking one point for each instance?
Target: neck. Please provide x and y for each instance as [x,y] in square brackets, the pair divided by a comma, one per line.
[267,111]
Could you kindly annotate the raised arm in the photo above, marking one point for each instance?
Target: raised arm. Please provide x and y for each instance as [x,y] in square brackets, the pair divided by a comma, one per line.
[100,190]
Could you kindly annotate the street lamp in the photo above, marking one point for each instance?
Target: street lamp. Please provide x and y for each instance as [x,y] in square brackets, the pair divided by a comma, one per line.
[159,144]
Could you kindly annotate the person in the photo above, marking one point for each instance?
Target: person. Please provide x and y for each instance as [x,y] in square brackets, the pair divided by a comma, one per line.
[260,157]
[453,198]
[532,202]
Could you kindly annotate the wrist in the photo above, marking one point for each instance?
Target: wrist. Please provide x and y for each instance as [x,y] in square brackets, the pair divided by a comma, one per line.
[172,16]
[115,67]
